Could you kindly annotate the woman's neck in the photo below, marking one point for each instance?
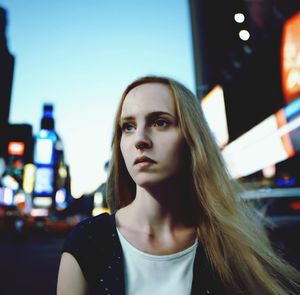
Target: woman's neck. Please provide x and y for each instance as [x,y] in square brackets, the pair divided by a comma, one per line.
[163,209]
[157,224]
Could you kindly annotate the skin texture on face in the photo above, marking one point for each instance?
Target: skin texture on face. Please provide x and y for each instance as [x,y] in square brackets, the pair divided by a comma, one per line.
[150,128]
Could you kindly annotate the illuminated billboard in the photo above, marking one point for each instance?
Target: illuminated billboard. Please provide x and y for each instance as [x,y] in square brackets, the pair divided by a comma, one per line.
[43,151]
[28,178]
[43,181]
[213,107]
[6,196]
[290,58]
[275,139]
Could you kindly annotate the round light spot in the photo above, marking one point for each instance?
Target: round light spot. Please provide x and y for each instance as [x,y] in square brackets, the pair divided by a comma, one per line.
[244,35]
[239,18]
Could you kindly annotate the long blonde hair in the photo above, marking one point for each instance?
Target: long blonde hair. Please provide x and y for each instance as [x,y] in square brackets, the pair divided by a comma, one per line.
[231,235]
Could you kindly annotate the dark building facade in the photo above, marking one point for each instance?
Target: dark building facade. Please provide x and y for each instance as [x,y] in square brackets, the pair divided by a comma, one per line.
[6,78]
[248,70]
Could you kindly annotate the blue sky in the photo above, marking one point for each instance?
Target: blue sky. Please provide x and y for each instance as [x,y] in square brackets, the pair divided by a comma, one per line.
[80,55]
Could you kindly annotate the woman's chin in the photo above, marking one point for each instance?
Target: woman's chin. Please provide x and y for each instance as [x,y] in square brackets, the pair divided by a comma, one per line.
[153,182]
[148,182]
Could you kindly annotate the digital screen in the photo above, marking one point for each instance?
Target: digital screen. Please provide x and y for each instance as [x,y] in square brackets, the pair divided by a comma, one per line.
[43,181]
[213,107]
[258,148]
[43,151]
[273,140]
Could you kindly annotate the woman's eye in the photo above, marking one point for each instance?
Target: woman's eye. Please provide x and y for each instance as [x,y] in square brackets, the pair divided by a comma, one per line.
[161,123]
[127,127]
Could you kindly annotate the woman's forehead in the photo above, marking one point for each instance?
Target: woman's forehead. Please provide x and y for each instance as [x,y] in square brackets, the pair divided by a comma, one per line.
[149,97]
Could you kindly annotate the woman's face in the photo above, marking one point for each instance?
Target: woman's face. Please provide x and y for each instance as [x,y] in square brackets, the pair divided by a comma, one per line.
[151,142]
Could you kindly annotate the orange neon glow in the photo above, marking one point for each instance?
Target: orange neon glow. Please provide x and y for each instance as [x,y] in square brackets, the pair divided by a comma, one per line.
[290,58]
[285,138]
[16,148]
[280,118]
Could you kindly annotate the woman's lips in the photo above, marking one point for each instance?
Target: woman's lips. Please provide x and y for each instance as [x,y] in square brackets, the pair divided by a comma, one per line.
[144,164]
[143,160]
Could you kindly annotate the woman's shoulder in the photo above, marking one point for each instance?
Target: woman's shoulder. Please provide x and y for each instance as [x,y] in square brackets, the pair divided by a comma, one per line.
[94,222]
[89,242]
[88,233]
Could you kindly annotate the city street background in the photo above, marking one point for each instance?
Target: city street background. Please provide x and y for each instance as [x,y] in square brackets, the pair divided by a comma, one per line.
[63,67]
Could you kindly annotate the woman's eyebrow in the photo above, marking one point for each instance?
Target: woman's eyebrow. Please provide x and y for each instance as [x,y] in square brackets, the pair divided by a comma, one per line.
[157,114]
[148,116]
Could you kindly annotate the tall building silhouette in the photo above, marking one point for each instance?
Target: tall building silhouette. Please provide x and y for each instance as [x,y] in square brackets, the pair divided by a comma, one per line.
[6,78]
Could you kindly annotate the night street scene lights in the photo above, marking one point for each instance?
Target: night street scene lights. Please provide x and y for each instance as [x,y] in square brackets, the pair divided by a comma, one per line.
[52,184]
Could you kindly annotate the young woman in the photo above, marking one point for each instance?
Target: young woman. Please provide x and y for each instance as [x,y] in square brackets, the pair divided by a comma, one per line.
[178,225]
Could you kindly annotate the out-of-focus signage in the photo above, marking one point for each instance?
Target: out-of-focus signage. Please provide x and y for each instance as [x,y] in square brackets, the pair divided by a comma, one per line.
[17,164]
[16,148]
[20,199]
[61,199]
[273,140]
[2,166]
[269,171]
[290,61]
[39,212]
[1,195]
[6,196]
[43,181]
[10,182]
[44,151]
[213,107]
[28,178]
[42,202]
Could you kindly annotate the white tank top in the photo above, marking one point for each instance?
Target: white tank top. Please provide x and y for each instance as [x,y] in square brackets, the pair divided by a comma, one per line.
[147,274]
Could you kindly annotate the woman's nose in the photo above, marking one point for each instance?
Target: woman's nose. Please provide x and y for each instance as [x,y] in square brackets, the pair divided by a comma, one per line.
[142,140]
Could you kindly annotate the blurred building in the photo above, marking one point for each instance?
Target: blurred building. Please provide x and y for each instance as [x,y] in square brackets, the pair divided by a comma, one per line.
[238,44]
[52,179]
[6,74]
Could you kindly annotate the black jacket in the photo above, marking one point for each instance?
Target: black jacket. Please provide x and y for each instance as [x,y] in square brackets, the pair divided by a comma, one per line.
[95,245]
